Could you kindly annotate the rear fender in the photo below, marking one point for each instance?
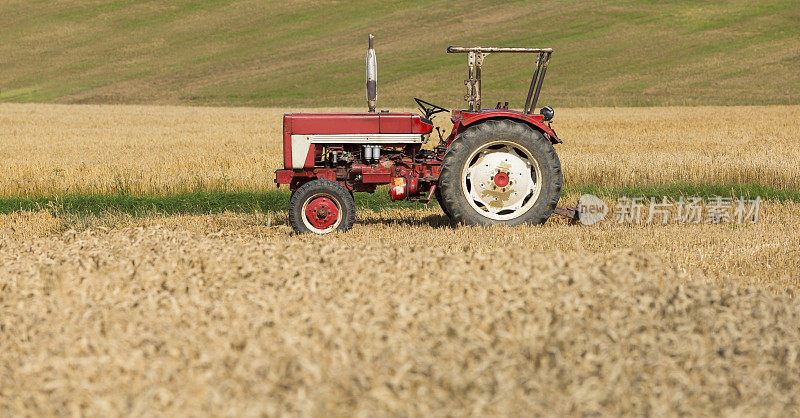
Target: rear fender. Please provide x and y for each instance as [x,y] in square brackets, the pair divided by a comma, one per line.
[463,120]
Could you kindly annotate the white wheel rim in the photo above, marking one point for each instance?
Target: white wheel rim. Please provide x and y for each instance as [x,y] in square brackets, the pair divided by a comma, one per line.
[517,187]
[313,228]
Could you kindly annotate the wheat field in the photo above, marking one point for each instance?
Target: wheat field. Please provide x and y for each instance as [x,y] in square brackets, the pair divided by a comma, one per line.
[53,150]
[231,314]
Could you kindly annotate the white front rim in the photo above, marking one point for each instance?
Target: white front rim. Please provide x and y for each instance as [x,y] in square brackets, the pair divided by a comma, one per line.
[517,187]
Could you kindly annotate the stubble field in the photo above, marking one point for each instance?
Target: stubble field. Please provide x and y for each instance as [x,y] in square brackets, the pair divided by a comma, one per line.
[230,314]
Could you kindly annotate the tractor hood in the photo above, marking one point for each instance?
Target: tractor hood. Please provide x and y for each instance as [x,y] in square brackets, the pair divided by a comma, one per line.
[357,123]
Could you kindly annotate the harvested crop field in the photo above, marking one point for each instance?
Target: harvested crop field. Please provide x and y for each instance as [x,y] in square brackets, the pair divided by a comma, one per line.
[230,314]
[187,314]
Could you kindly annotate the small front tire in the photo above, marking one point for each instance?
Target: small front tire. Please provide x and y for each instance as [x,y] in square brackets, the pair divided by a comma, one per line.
[320,207]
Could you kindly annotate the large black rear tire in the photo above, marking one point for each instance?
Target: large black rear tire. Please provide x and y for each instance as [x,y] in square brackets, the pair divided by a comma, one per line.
[440,201]
[320,207]
[500,172]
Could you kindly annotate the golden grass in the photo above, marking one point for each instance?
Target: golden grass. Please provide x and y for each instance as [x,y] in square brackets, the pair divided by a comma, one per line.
[706,145]
[57,149]
[765,253]
[231,315]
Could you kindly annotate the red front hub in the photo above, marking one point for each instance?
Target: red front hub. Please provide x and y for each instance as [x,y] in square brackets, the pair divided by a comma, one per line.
[322,212]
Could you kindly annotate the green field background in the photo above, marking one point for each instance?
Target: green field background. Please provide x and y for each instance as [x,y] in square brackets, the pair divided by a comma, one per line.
[311,53]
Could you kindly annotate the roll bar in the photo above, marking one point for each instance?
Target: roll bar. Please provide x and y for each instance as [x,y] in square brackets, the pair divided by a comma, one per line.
[475,62]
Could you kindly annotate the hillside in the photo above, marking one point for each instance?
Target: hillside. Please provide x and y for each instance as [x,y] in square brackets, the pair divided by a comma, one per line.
[304,53]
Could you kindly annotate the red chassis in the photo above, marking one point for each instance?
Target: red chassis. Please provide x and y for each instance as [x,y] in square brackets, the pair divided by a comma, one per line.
[336,147]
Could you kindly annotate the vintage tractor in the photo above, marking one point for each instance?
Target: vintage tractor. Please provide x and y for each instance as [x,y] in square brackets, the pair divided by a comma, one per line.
[497,166]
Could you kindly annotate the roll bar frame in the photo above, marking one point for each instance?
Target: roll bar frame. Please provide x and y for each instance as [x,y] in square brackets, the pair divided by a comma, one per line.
[475,57]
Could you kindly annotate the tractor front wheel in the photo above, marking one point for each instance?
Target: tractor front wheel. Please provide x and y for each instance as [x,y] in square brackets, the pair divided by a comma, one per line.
[500,172]
[320,207]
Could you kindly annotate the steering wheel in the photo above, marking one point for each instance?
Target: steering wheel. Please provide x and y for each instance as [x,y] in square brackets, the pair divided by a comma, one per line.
[430,109]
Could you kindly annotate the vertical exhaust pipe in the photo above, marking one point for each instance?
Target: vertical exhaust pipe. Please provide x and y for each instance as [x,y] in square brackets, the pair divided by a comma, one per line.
[372,77]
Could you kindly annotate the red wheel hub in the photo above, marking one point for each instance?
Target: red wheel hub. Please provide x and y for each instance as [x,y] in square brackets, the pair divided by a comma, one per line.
[501,179]
[321,212]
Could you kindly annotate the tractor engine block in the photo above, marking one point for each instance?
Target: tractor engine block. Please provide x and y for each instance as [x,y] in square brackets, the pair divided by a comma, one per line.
[359,151]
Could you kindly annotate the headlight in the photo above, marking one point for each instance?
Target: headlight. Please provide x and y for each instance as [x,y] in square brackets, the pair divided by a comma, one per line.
[548,113]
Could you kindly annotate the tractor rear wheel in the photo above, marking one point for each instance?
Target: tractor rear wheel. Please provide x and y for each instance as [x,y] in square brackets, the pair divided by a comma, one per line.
[440,201]
[500,172]
[321,206]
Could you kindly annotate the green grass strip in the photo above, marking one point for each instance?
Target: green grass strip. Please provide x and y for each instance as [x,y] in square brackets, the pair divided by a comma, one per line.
[675,191]
[278,200]
[184,203]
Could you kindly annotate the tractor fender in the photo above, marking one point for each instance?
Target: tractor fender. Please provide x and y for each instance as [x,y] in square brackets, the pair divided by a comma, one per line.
[464,119]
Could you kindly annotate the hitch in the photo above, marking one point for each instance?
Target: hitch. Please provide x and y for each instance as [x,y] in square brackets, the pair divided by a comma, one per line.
[572,214]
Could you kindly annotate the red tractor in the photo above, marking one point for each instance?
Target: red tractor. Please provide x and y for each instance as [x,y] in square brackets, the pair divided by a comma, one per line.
[497,166]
